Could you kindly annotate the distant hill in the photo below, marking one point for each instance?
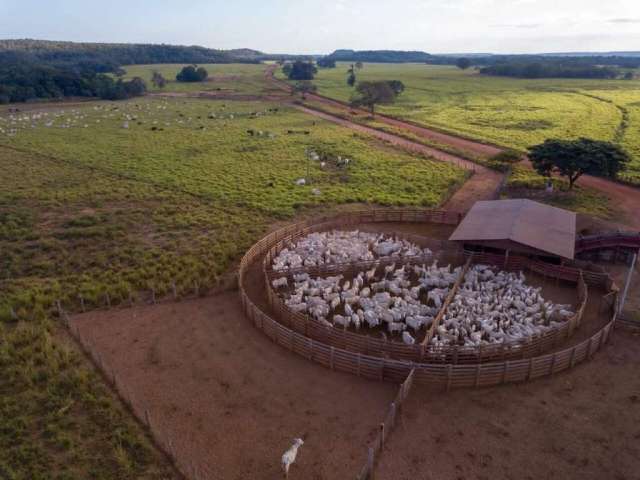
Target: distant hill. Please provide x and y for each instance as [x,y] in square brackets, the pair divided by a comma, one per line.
[592,54]
[380,56]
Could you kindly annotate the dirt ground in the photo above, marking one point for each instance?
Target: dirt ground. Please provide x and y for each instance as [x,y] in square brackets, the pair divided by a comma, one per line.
[230,400]
[582,424]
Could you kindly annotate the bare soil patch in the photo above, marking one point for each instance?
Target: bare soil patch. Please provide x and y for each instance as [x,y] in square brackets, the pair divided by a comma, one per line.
[582,424]
[230,400]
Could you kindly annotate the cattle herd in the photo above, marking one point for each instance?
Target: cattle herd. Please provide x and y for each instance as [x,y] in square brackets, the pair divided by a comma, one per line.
[402,297]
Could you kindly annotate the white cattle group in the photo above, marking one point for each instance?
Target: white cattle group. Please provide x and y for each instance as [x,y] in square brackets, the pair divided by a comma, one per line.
[490,306]
[493,307]
[326,248]
[401,300]
[156,114]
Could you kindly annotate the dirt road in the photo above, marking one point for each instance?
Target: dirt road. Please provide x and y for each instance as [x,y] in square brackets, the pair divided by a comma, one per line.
[624,198]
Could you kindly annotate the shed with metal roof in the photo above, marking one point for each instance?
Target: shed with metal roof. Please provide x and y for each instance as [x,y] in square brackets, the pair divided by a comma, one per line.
[520,226]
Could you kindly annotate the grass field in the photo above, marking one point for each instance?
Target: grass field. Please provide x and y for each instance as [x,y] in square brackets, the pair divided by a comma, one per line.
[58,421]
[93,208]
[247,79]
[511,112]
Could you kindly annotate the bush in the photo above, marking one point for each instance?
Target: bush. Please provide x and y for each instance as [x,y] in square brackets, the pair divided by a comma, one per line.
[192,73]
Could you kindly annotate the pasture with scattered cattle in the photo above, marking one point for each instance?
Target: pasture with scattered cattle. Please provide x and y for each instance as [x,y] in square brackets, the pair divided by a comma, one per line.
[515,113]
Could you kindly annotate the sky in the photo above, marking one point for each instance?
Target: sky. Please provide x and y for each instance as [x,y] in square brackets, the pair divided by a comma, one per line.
[321,26]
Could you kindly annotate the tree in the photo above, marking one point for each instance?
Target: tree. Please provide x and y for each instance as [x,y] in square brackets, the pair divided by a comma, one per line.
[302,70]
[397,86]
[463,63]
[351,79]
[574,158]
[303,88]
[629,76]
[192,73]
[286,69]
[359,65]
[351,76]
[370,94]
[158,80]
[327,62]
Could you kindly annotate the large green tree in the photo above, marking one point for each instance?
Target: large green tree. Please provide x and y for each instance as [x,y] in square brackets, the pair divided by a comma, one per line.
[574,158]
[370,94]
[302,71]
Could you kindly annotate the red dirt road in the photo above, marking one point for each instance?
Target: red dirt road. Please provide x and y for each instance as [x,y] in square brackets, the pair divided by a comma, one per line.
[624,198]
[230,400]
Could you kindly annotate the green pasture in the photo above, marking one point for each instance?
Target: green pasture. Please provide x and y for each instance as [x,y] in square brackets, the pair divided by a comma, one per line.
[236,78]
[59,421]
[512,112]
[112,198]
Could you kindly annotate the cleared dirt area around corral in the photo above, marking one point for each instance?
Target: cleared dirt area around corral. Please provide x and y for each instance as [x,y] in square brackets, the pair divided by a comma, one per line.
[583,424]
[230,401]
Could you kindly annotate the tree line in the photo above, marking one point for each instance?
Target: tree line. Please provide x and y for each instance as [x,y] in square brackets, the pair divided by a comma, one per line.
[551,70]
[20,83]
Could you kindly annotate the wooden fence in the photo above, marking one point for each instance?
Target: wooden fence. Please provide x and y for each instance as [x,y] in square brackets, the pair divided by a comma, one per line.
[386,427]
[422,351]
[368,365]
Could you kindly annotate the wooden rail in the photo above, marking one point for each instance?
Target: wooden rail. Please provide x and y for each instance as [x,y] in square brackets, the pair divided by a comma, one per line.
[445,305]
[368,345]
[447,375]
[386,428]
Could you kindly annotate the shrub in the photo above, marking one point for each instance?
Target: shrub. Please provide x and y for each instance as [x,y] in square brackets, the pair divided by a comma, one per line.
[192,73]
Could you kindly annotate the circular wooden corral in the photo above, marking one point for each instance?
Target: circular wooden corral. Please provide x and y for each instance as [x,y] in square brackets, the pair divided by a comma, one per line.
[372,363]
[368,345]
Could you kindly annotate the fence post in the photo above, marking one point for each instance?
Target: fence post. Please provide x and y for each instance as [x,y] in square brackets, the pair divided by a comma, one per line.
[449,369]
[370,462]
[331,358]
[382,435]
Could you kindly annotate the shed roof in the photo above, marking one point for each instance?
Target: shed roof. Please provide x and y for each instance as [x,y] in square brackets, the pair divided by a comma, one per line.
[539,226]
